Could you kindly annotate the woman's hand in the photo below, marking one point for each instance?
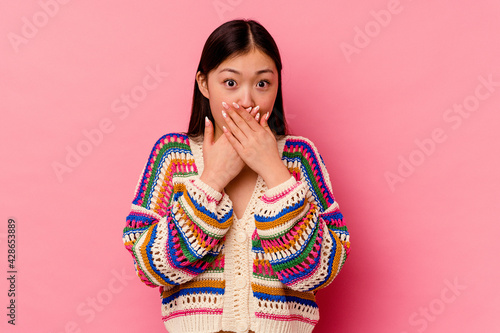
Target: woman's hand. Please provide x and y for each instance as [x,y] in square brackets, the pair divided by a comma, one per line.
[221,162]
[255,143]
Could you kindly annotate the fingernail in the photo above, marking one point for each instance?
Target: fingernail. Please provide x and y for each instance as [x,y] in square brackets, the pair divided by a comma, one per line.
[249,109]
[224,114]
[256,108]
[207,122]
[257,116]
[224,128]
[236,105]
[224,104]
[267,115]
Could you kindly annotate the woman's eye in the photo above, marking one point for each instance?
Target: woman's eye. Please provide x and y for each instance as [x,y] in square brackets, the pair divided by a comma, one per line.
[230,83]
[262,84]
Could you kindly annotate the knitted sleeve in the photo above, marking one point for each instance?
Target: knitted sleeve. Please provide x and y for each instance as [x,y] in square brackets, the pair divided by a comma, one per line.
[177,222]
[300,226]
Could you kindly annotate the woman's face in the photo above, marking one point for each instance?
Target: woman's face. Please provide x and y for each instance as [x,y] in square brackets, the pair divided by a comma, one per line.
[250,79]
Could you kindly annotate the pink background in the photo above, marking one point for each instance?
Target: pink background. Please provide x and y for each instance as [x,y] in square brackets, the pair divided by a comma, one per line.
[372,83]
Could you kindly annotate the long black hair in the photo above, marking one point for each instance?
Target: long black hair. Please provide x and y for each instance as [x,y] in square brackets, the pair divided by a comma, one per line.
[234,38]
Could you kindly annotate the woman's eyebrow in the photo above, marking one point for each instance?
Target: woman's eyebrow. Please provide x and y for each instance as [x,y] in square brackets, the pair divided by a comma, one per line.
[262,71]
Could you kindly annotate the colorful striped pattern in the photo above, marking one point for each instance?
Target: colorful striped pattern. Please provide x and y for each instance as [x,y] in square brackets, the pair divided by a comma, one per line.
[300,226]
[176,234]
[170,211]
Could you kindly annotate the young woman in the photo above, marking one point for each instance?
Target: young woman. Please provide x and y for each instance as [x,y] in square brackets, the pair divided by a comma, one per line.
[235,220]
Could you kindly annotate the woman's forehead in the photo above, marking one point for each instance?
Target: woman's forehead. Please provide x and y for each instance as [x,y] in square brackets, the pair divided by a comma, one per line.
[250,63]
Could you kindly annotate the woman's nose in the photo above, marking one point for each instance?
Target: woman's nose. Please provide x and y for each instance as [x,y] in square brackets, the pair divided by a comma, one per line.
[246,99]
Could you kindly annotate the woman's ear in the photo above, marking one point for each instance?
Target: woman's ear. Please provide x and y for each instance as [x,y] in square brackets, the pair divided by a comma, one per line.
[202,84]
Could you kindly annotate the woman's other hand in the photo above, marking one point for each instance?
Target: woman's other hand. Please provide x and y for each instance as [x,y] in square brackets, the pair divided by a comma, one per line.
[252,138]
[221,161]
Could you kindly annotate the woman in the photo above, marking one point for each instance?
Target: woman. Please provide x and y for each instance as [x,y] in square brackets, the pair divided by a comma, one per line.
[235,220]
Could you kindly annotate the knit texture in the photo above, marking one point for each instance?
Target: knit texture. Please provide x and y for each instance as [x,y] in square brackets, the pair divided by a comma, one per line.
[217,272]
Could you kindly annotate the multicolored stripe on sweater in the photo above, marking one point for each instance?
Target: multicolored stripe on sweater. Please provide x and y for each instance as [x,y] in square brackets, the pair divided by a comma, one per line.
[164,213]
[177,228]
[289,224]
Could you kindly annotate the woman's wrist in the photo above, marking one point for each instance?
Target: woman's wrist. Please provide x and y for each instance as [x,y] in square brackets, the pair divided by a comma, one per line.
[212,181]
[276,175]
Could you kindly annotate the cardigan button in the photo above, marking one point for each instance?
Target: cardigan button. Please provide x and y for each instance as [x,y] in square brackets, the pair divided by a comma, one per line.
[242,327]
[240,282]
[241,237]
